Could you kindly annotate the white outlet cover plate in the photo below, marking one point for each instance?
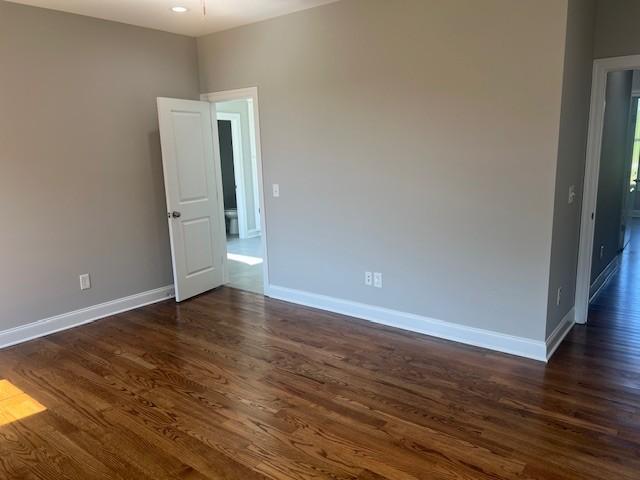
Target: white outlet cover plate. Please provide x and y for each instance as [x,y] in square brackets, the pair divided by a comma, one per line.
[85,282]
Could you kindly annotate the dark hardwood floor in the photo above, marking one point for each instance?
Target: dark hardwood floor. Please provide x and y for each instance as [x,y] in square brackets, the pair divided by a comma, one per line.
[234,386]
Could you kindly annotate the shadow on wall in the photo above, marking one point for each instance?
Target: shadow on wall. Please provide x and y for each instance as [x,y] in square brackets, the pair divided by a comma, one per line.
[159,197]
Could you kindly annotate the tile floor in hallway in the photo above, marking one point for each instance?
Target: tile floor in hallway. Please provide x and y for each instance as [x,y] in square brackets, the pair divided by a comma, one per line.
[245,263]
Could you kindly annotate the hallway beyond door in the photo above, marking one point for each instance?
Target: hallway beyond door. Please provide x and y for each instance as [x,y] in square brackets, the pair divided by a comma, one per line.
[614,315]
[245,263]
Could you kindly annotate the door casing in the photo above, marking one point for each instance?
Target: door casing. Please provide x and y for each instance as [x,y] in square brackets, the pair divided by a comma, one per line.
[250,93]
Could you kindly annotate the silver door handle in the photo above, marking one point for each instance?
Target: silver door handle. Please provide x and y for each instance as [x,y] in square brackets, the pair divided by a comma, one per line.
[175,214]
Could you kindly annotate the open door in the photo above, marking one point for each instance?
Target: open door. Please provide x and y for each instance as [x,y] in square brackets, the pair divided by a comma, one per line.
[193,184]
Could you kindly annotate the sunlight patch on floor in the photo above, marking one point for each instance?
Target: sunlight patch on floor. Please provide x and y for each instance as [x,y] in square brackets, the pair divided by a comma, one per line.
[15,404]
[251,261]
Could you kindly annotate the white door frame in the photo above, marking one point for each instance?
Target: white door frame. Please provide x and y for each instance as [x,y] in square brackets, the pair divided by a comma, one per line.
[254,171]
[601,69]
[250,93]
[238,168]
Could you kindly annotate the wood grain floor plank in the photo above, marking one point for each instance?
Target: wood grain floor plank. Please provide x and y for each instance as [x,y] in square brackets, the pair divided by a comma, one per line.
[232,385]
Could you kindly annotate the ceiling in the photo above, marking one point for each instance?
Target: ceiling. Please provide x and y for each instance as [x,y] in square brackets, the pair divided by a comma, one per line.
[221,14]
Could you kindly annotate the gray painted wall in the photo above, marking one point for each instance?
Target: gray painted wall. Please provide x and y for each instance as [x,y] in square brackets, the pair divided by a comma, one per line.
[81,180]
[636,83]
[617,31]
[574,122]
[379,123]
[613,174]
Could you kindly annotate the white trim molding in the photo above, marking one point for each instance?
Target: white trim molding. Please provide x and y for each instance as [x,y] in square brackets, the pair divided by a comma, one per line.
[229,95]
[524,347]
[561,331]
[76,318]
[601,69]
[603,279]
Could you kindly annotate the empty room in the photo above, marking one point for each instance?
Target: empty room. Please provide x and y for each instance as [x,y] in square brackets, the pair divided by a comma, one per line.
[319,239]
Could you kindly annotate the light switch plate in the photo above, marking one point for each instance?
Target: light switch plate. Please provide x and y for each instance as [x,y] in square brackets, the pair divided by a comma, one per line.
[85,282]
[276,190]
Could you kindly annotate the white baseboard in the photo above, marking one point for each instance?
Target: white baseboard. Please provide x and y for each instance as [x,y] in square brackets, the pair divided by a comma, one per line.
[561,331]
[603,279]
[68,320]
[501,342]
[253,233]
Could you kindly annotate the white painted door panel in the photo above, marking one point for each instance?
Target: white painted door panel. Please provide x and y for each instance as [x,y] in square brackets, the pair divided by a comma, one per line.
[192,184]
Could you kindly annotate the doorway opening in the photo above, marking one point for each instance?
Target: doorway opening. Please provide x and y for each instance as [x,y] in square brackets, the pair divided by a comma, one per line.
[634,178]
[614,299]
[240,166]
[209,249]
[610,229]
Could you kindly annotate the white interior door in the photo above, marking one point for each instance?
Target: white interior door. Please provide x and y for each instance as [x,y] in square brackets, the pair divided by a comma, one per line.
[193,184]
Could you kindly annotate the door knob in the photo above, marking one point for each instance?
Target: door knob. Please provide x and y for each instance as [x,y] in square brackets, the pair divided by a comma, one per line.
[176,214]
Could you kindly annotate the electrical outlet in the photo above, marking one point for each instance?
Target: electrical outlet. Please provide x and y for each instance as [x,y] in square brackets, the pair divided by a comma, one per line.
[276,190]
[377,280]
[559,296]
[85,282]
[368,278]
[601,251]
[572,194]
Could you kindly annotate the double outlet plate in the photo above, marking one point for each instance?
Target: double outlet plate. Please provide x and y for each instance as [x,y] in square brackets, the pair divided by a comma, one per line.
[373,279]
